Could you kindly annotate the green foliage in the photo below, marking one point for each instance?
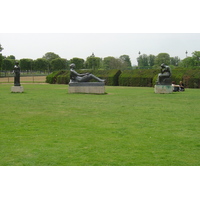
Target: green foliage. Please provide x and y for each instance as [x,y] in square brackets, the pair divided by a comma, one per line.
[93,62]
[50,56]
[41,64]
[8,64]
[58,64]
[188,62]
[11,57]
[137,77]
[63,78]
[162,58]
[1,60]
[26,64]
[126,61]
[1,48]
[52,78]
[79,62]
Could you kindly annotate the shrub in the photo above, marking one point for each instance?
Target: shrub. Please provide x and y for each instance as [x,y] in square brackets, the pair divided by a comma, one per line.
[137,77]
[52,78]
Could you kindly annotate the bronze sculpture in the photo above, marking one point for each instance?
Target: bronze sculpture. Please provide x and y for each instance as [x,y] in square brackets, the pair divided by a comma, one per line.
[164,78]
[85,77]
[16,71]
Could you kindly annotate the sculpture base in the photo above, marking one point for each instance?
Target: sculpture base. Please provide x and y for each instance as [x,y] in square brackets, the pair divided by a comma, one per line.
[17,89]
[163,89]
[87,87]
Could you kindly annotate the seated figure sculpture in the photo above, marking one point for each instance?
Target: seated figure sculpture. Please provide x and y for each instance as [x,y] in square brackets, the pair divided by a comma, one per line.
[85,77]
[164,76]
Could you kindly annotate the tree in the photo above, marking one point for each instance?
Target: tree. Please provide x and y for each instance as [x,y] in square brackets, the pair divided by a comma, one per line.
[93,62]
[1,57]
[41,64]
[142,61]
[196,57]
[8,64]
[1,48]
[50,56]
[187,62]
[151,60]
[11,57]
[79,62]
[174,61]
[126,61]
[162,58]
[58,64]
[26,64]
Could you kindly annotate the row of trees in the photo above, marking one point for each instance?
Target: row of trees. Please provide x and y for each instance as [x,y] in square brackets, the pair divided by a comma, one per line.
[53,62]
[151,61]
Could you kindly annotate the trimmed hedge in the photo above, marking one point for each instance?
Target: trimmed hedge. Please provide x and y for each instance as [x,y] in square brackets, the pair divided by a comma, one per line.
[135,78]
[63,77]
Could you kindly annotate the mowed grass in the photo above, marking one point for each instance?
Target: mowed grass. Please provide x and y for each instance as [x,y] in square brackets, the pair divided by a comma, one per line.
[46,126]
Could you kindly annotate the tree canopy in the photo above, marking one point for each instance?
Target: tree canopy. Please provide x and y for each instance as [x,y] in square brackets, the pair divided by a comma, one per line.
[50,56]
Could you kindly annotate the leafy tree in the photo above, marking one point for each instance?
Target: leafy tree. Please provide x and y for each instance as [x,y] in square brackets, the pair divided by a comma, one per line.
[41,64]
[162,58]
[1,48]
[26,64]
[79,62]
[196,57]
[142,60]
[174,60]
[151,60]
[188,62]
[11,57]
[93,62]
[50,56]
[125,59]
[8,64]
[1,60]
[58,64]
[1,57]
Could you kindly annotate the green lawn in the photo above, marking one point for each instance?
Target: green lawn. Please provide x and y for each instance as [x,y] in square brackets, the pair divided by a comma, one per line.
[126,127]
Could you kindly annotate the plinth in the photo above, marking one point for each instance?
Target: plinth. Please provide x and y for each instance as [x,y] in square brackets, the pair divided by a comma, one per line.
[163,89]
[17,89]
[87,87]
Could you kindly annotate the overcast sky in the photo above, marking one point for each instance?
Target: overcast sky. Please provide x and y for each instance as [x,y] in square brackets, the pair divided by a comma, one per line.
[77,28]
[82,45]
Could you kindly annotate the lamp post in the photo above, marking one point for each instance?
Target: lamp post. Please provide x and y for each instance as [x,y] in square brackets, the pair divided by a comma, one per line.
[186,53]
[138,58]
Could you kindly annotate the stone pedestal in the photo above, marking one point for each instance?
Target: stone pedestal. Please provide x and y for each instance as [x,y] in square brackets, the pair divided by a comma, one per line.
[87,87]
[17,89]
[163,89]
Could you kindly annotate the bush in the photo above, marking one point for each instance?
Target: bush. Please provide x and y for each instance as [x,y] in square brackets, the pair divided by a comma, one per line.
[137,77]
[52,78]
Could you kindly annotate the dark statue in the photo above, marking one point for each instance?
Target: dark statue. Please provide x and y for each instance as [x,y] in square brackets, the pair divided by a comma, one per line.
[86,77]
[16,71]
[164,78]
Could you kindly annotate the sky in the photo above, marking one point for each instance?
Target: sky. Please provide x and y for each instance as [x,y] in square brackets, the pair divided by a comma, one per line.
[82,45]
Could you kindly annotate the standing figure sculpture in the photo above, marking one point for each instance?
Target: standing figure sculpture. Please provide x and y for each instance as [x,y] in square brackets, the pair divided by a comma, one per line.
[164,76]
[86,77]
[16,71]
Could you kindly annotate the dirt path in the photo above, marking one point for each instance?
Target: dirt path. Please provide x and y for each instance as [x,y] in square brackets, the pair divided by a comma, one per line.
[23,79]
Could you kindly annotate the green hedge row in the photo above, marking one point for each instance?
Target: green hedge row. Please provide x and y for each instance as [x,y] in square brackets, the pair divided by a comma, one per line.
[136,77]
[63,77]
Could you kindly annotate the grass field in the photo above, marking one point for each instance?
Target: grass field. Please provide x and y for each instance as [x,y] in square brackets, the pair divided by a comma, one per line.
[126,127]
